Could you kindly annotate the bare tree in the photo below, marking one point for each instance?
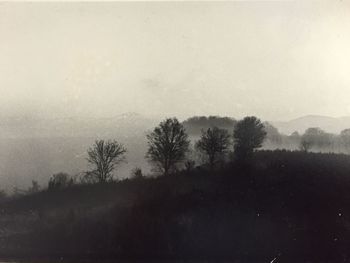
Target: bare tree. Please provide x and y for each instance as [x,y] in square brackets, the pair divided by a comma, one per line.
[213,142]
[104,156]
[167,145]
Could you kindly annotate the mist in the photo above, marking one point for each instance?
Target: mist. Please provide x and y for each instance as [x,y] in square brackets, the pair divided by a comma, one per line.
[158,131]
[75,72]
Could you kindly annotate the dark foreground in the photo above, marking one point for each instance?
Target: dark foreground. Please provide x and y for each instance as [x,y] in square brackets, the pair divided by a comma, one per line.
[287,206]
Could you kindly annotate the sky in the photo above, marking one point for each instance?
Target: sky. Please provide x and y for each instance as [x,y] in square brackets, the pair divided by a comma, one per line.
[275,60]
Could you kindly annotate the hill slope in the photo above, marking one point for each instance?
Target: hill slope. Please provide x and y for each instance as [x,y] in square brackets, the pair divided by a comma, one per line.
[290,205]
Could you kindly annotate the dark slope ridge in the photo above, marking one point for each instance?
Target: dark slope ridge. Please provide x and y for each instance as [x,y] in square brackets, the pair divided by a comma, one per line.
[291,205]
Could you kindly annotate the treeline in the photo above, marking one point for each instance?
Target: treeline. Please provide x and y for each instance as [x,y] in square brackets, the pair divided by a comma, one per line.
[237,203]
[170,150]
[313,139]
[198,141]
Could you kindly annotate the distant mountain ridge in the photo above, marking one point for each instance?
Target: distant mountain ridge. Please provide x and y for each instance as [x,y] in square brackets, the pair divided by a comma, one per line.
[329,124]
[35,148]
[132,123]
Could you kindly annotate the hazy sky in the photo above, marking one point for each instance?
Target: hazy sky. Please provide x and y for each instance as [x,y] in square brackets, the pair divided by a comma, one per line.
[276,60]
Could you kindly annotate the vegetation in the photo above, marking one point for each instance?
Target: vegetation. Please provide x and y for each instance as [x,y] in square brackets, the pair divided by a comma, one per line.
[293,206]
[60,181]
[34,188]
[305,145]
[345,139]
[104,156]
[248,136]
[288,206]
[167,145]
[195,125]
[315,137]
[136,173]
[214,142]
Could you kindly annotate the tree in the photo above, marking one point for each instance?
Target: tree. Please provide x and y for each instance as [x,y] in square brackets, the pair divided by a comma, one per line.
[136,173]
[248,135]
[60,181]
[104,156]
[34,188]
[315,138]
[305,145]
[189,165]
[273,137]
[345,139]
[213,142]
[167,145]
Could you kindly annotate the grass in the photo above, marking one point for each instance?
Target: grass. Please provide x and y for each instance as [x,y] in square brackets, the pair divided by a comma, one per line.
[290,205]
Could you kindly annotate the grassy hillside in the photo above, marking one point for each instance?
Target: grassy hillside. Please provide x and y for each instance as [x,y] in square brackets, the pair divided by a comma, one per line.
[292,206]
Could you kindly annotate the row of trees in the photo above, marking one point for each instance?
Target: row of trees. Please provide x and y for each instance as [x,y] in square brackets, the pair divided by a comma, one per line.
[313,139]
[316,138]
[169,145]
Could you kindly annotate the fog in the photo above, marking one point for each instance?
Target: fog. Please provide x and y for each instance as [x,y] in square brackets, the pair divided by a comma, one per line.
[74,72]
[170,130]
[277,60]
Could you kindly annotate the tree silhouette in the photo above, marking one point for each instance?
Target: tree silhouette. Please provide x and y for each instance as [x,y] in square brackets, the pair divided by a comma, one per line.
[104,156]
[34,188]
[248,135]
[305,145]
[213,142]
[60,181]
[136,173]
[345,139]
[167,145]
[273,137]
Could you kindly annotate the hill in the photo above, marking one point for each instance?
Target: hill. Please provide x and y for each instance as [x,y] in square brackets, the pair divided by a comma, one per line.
[34,149]
[329,124]
[292,206]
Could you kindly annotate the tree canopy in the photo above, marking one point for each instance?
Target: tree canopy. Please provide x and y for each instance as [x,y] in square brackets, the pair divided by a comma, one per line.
[248,135]
[167,145]
[213,142]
